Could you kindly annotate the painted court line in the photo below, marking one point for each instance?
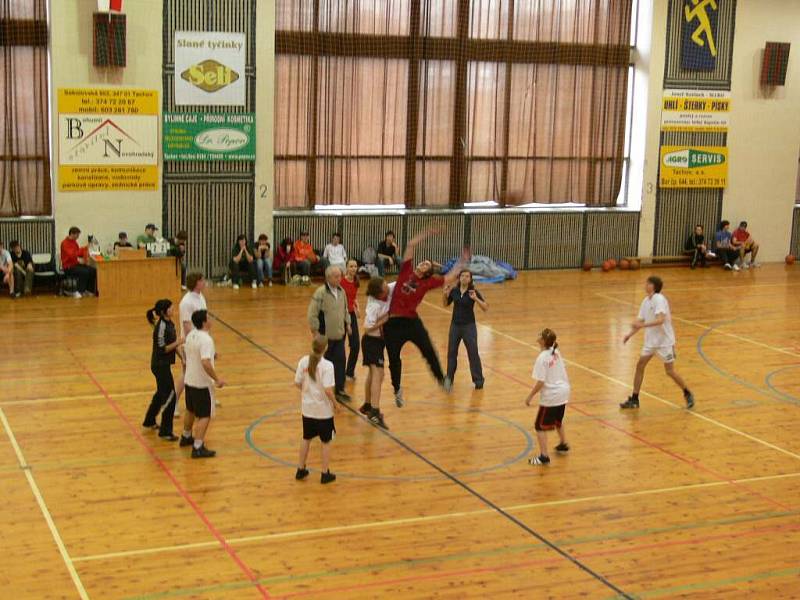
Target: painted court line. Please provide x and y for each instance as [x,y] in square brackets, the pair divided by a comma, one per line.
[62,549]
[178,486]
[429,518]
[602,375]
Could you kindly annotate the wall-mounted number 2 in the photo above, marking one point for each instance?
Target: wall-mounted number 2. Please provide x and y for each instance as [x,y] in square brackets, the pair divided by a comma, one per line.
[262,189]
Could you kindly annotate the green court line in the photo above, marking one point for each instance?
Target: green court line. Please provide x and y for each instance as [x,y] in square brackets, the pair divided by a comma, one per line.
[410,563]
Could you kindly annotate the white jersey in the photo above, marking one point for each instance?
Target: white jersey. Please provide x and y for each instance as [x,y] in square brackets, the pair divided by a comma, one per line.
[191,303]
[662,336]
[199,346]
[549,368]
[377,309]
[315,403]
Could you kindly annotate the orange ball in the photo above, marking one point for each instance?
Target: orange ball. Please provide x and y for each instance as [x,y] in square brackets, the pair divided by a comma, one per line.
[624,264]
[635,264]
[587,265]
[613,263]
[790,259]
[606,265]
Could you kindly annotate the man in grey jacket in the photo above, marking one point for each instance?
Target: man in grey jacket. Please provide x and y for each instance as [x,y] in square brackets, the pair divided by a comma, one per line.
[328,316]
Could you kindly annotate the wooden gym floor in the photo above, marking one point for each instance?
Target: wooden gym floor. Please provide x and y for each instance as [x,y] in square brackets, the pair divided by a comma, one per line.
[657,503]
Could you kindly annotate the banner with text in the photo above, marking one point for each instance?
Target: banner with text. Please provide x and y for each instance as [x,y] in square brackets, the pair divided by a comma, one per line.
[209,136]
[209,68]
[107,139]
[695,110]
[693,167]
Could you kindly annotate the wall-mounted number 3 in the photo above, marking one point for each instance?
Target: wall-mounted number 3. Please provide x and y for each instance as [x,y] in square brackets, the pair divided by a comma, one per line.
[262,189]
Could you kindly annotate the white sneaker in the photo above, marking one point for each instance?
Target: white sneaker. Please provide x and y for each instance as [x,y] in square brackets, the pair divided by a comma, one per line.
[183,287]
[736,268]
[236,286]
[711,255]
[76,295]
[253,285]
[728,267]
[260,285]
[745,266]
[270,283]
[398,398]
[755,265]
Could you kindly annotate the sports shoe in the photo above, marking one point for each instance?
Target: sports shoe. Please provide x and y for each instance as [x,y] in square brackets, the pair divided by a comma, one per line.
[260,285]
[183,287]
[539,460]
[76,295]
[631,402]
[186,441]
[88,294]
[755,265]
[327,477]
[447,384]
[351,377]
[301,474]
[745,266]
[152,425]
[270,283]
[203,452]
[169,438]
[376,418]
[562,448]
[236,286]
[343,397]
[479,385]
[365,408]
[728,267]
[307,281]
[398,398]
[736,268]
[253,284]
[689,396]
[710,255]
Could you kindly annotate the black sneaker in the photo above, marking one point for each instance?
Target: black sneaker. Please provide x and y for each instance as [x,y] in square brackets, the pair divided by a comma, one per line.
[365,408]
[478,385]
[343,397]
[562,448]
[327,477]
[151,426]
[301,474]
[689,396]
[186,441]
[631,402]
[376,417]
[203,452]
[169,438]
[539,460]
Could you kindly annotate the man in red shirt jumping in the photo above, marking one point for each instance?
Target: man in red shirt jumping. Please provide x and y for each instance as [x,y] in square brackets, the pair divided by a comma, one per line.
[404,324]
[74,261]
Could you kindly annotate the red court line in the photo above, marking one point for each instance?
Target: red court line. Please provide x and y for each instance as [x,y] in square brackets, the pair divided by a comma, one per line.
[547,561]
[181,490]
[693,463]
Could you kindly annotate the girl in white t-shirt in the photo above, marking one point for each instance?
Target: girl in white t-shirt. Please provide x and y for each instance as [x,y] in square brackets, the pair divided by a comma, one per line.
[552,381]
[379,296]
[315,378]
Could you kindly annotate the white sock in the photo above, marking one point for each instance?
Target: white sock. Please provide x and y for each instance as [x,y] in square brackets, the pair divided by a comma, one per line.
[198,444]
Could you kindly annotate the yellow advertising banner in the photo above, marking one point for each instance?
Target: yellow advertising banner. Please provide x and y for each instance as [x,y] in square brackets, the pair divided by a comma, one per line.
[693,167]
[695,110]
[107,139]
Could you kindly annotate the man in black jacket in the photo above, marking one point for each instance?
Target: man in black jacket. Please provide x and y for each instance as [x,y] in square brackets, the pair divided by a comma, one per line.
[697,247]
[23,269]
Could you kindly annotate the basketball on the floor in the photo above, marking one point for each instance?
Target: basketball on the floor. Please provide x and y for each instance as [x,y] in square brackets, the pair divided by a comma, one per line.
[790,259]
[635,264]
[587,265]
[612,262]
[606,265]
[624,264]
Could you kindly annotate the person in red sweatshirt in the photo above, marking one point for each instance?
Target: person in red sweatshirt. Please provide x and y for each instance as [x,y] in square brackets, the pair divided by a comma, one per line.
[74,261]
[404,324]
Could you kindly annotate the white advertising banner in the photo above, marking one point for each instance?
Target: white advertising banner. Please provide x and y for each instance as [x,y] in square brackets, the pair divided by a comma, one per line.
[209,68]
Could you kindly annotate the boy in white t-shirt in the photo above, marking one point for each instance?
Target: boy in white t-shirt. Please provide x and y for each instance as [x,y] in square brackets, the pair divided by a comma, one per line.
[659,339]
[553,383]
[334,254]
[379,297]
[316,380]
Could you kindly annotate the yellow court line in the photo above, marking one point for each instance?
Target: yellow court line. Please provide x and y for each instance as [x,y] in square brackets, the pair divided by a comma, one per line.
[426,519]
[43,507]
[693,413]
[704,326]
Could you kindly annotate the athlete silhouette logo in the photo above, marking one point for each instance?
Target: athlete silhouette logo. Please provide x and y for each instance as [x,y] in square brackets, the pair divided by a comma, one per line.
[700,13]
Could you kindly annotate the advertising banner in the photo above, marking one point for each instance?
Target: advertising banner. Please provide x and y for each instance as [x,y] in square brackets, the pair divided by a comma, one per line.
[209,136]
[107,139]
[695,110]
[209,68]
[693,167]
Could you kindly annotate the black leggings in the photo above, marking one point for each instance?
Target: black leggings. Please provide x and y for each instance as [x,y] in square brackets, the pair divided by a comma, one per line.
[355,346]
[398,331]
[164,396]
[728,255]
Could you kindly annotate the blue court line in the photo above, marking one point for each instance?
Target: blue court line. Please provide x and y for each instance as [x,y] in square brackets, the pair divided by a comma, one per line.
[771,386]
[466,487]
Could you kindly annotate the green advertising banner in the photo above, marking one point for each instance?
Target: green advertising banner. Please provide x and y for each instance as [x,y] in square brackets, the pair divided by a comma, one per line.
[209,136]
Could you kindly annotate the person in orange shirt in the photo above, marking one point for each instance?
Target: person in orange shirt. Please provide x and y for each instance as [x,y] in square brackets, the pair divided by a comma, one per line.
[74,261]
[303,256]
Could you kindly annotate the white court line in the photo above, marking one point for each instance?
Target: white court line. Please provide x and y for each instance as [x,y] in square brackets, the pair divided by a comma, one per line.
[43,507]
[704,326]
[693,413]
[426,519]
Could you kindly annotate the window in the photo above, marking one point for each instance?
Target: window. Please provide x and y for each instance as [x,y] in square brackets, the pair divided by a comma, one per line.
[428,103]
[25,155]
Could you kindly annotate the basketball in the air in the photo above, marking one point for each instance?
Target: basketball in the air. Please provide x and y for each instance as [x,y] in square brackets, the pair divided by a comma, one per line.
[790,259]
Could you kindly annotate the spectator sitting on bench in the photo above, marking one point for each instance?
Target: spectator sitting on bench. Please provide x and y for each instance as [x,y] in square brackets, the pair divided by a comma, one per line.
[282,263]
[697,247]
[304,257]
[7,267]
[74,261]
[389,254]
[335,255]
[23,269]
[744,243]
[724,246]
[242,261]
[263,254]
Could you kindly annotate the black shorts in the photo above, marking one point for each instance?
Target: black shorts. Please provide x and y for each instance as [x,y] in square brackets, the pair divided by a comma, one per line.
[549,417]
[198,401]
[322,428]
[372,348]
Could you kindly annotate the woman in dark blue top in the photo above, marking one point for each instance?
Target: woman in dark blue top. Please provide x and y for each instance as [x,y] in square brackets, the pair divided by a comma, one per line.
[463,297]
[165,345]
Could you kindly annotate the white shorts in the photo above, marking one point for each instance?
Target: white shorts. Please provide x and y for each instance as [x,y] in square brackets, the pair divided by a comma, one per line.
[665,353]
